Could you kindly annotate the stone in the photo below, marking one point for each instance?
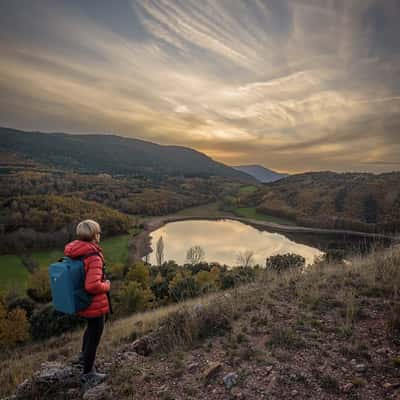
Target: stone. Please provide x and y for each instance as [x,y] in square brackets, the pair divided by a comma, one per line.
[198,308]
[294,393]
[388,385]
[236,393]
[99,392]
[230,379]
[347,387]
[53,371]
[50,379]
[212,370]
[272,381]
[192,366]
[360,367]
[143,346]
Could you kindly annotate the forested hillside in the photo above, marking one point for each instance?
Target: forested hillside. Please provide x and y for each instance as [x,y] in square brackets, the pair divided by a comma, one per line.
[357,201]
[112,154]
[39,207]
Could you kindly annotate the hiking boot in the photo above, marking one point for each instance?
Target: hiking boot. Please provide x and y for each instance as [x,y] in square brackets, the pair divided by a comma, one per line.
[92,378]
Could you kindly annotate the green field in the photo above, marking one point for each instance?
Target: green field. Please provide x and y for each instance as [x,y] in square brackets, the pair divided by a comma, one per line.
[248,189]
[250,212]
[13,274]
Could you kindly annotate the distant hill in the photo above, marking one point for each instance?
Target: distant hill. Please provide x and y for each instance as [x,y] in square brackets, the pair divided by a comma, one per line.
[112,154]
[261,173]
[356,201]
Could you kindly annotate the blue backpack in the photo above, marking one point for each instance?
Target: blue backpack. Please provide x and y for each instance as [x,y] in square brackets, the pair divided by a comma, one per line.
[67,281]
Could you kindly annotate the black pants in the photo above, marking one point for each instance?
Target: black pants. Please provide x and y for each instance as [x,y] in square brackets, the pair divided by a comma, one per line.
[91,339]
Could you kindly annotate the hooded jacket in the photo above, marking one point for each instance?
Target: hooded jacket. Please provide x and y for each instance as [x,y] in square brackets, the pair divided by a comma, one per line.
[94,276]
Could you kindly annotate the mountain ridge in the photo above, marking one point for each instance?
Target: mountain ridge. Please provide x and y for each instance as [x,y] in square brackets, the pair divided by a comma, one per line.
[113,154]
[259,172]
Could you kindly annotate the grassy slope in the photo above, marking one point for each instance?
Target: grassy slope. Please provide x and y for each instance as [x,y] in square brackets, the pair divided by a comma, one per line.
[14,275]
[250,212]
[248,189]
[212,210]
[329,333]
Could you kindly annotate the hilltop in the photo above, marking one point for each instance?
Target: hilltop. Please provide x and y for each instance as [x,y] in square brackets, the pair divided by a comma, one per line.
[261,173]
[356,201]
[111,154]
[328,333]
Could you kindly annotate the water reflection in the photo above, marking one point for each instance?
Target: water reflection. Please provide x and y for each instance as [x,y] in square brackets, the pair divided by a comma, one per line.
[222,240]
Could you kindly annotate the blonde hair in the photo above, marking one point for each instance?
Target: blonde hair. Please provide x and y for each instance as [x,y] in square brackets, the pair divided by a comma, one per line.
[86,230]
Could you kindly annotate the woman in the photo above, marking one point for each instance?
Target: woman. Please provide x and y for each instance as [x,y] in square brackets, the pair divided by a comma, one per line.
[87,246]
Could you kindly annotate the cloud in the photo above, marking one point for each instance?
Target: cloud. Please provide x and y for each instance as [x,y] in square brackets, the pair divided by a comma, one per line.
[292,85]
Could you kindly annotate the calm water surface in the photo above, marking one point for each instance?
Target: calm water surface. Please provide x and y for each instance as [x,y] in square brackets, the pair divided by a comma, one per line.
[222,240]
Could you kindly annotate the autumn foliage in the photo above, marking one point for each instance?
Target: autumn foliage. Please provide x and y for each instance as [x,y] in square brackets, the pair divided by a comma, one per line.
[354,201]
[14,326]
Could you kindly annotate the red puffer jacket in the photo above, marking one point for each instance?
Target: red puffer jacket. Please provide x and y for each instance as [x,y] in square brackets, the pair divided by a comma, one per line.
[94,279]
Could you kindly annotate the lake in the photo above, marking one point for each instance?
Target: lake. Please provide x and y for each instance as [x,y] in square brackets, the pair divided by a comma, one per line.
[222,241]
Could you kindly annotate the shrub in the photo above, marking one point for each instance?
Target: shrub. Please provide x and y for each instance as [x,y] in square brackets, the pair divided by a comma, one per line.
[14,326]
[330,383]
[116,271]
[48,322]
[228,280]
[206,280]
[186,326]
[181,288]
[284,262]
[133,297]
[285,338]
[23,303]
[39,286]
[334,256]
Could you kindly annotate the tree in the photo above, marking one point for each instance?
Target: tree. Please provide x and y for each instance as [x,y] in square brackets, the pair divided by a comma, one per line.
[195,254]
[139,273]
[160,251]
[370,210]
[159,287]
[245,258]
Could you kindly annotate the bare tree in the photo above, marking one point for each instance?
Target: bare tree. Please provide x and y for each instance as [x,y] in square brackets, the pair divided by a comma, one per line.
[195,254]
[245,258]
[160,250]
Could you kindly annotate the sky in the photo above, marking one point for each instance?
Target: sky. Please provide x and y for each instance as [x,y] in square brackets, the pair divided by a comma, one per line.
[293,85]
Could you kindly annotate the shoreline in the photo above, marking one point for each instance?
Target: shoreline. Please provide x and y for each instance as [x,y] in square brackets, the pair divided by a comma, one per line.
[140,245]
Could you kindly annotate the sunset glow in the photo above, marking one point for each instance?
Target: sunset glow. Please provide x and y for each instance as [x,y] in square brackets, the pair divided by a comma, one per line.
[294,85]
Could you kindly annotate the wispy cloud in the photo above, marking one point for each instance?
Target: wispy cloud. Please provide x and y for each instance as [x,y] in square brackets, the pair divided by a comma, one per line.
[293,85]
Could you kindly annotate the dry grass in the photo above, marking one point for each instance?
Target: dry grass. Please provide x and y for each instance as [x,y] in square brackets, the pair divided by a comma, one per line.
[336,288]
[19,364]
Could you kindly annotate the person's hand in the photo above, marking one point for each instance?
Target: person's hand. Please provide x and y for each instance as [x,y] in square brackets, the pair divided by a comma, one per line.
[109,283]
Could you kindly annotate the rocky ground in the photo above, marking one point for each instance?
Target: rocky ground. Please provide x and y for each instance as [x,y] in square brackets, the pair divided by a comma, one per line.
[331,333]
